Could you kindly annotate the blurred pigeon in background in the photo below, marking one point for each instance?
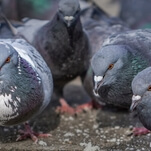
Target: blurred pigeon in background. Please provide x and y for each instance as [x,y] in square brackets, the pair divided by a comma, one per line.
[136,13]
[26,84]
[115,65]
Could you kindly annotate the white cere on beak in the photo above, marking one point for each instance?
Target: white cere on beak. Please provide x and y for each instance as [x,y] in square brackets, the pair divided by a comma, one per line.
[68,18]
[98,78]
[136,97]
[96,94]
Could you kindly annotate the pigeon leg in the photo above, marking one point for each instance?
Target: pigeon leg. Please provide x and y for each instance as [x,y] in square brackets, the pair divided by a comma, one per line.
[90,105]
[28,133]
[65,108]
[137,131]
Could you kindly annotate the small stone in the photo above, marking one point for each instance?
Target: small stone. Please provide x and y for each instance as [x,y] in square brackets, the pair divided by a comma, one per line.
[117,127]
[131,127]
[95,126]
[71,118]
[6,129]
[78,131]
[129,133]
[113,140]
[112,117]
[68,134]
[42,143]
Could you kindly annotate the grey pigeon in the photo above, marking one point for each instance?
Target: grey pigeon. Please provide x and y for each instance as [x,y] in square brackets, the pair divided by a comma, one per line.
[63,43]
[141,100]
[115,65]
[99,26]
[25,82]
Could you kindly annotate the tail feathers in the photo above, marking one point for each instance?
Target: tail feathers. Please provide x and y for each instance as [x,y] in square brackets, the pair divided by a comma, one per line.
[12,28]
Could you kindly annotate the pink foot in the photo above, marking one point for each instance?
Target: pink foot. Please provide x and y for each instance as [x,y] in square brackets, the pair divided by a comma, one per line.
[137,131]
[65,108]
[28,133]
[88,106]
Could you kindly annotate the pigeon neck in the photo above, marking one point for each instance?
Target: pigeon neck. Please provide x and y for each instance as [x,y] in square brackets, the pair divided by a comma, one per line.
[75,31]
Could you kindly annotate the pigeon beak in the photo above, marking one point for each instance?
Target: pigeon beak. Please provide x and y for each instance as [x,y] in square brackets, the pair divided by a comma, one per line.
[68,20]
[135,100]
[97,82]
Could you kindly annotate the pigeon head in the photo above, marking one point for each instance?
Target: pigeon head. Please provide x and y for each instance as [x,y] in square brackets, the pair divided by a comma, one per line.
[141,100]
[8,58]
[106,63]
[69,11]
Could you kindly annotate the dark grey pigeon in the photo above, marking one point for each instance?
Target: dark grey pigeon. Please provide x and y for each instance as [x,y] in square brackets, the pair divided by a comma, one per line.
[141,100]
[25,82]
[115,65]
[64,44]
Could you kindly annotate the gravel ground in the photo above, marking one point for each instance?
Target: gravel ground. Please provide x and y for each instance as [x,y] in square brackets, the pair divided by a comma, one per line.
[96,130]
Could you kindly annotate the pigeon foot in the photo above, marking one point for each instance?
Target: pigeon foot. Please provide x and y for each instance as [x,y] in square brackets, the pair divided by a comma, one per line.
[88,106]
[137,131]
[28,133]
[65,108]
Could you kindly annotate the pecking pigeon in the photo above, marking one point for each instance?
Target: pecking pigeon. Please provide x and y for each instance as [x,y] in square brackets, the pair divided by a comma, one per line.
[141,100]
[98,26]
[121,57]
[25,82]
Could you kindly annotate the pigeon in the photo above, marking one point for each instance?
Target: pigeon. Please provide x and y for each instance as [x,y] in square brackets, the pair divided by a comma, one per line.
[115,65]
[141,87]
[98,25]
[26,83]
[62,42]
[136,13]
[64,45]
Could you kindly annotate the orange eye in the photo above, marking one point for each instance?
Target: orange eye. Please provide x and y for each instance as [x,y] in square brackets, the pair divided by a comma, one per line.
[149,88]
[111,66]
[7,60]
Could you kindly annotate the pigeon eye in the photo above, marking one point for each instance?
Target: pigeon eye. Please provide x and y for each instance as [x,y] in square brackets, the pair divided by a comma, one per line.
[149,88]
[111,66]
[7,60]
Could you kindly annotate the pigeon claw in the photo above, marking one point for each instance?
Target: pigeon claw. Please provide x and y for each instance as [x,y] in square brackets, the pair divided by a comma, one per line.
[137,131]
[65,108]
[88,106]
[29,133]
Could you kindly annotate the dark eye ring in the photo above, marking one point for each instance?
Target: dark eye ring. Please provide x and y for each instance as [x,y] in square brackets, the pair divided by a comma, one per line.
[7,60]
[111,66]
[149,88]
